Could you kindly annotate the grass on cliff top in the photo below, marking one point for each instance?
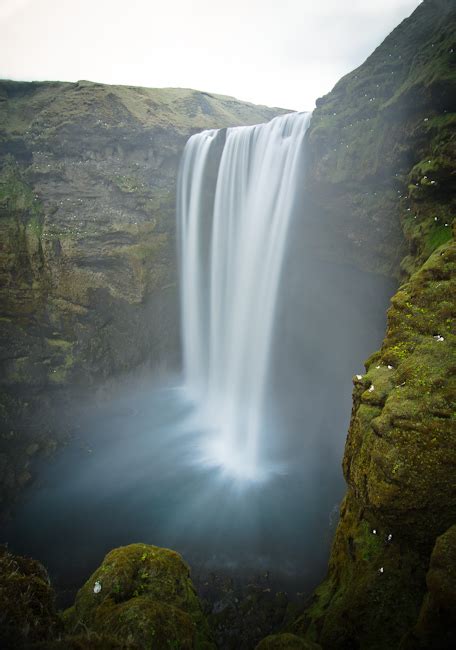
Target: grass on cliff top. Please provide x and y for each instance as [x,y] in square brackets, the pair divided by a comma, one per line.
[419,53]
[51,105]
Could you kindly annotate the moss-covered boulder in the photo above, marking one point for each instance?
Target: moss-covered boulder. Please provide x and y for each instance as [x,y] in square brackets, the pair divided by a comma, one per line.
[286,641]
[86,641]
[142,595]
[27,603]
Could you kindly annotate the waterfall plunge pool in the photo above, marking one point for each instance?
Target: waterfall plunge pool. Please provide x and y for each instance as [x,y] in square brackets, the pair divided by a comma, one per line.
[135,471]
[250,483]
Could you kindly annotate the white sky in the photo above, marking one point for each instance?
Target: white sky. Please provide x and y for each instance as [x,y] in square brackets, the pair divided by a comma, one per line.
[281,53]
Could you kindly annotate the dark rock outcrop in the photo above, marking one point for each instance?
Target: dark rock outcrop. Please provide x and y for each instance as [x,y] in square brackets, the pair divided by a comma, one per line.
[286,641]
[27,603]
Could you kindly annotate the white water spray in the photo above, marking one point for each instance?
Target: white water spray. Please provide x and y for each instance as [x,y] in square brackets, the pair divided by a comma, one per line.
[232,243]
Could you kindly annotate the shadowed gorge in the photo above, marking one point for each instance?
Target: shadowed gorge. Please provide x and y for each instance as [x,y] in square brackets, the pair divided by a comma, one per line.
[191,387]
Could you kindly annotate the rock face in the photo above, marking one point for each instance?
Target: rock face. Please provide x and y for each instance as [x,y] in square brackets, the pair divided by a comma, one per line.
[382,142]
[383,151]
[87,251]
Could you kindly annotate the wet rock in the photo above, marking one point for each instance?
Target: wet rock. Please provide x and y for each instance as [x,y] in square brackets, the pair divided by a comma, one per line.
[436,626]
[286,642]
[146,596]
[27,602]
[23,478]
[32,449]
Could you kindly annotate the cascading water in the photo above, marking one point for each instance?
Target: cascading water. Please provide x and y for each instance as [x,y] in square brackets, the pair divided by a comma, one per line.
[177,474]
[232,244]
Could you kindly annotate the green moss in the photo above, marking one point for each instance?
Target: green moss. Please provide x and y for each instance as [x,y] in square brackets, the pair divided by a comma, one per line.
[438,236]
[63,360]
[436,625]
[18,197]
[27,607]
[86,641]
[147,623]
[148,589]
[127,184]
[286,641]
[369,545]
[398,463]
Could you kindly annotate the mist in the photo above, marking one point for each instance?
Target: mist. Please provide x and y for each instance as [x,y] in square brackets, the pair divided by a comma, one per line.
[136,467]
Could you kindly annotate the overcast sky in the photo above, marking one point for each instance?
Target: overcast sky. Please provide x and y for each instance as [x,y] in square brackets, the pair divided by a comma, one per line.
[276,52]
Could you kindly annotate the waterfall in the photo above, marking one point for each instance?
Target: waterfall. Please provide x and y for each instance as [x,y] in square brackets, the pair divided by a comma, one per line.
[236,195]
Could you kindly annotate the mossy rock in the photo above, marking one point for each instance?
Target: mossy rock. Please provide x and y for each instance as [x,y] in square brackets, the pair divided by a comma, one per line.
[399,463]
[286,642]
[87,641]
[147,623]
[400,448]
[146,594]
[436,626]
[27,602]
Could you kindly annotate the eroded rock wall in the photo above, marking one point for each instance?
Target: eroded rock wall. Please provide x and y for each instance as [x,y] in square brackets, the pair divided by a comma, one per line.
[87,252]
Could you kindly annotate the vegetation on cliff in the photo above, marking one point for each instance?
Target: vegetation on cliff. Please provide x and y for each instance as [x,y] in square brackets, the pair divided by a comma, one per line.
[383,145]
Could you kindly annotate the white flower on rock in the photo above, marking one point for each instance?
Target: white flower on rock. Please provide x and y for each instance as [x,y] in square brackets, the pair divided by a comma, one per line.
[371,388]
[359,377]
[390,537]
[381,569]
[97,587]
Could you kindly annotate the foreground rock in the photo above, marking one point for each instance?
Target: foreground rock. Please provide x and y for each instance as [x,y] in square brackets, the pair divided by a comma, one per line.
[286,641]
[140,597]
[27,603]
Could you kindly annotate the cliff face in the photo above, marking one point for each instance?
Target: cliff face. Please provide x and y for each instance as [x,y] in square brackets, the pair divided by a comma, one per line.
[380,143]
[383,158]
[87,252]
